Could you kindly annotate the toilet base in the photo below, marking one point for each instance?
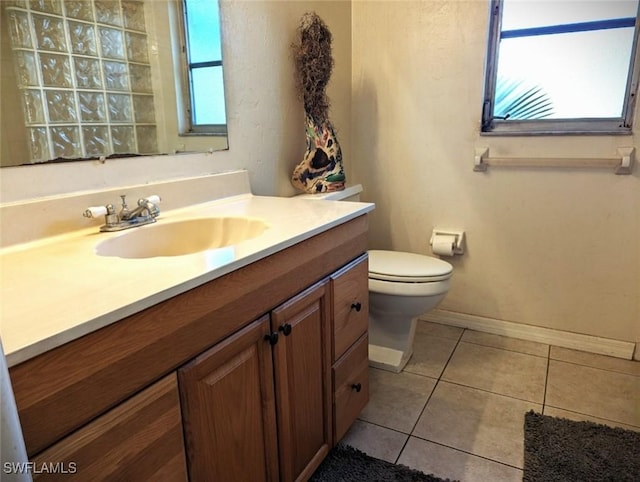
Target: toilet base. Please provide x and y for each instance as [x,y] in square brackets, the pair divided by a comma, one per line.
[390,339]
[388,358]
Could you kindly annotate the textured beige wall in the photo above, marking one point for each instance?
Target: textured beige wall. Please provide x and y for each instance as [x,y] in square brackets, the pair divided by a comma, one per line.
[549,247]
[265,115]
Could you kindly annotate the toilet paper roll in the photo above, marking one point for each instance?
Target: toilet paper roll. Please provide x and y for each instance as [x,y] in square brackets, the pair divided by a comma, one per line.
[443,244]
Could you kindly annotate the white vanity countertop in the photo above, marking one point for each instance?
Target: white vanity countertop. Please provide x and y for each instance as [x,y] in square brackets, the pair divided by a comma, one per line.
[55,290]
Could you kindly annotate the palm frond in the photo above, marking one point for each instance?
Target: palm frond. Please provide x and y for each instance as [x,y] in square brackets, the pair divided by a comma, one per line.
[516,100]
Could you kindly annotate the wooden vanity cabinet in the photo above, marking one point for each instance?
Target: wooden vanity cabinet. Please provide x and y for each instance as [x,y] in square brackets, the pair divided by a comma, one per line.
[282,391]
[257,406]
[197,373]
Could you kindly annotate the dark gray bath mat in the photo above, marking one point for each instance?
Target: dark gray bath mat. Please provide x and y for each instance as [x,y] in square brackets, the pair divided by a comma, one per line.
[557,449]
[347,464]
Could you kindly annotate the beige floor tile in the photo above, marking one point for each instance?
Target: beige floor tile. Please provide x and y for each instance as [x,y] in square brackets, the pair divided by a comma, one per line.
[379,442]
[437,329]
[445,462]
[506,343]
[430,355]
[592,391]
[396,399]
[580,417]
[596,361]
[499,371]
[472,428]
[475,421]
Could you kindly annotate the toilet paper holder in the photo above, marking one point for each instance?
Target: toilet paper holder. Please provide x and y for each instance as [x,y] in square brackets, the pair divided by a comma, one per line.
[457,241]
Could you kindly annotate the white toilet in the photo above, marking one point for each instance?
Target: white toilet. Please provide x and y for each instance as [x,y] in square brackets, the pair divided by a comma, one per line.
[402,286]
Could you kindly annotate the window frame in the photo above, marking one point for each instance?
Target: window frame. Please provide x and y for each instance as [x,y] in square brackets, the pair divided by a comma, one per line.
[190,128]
[491,126]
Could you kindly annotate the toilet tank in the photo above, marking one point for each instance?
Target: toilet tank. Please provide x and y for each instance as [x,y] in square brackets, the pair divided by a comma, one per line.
[349,193]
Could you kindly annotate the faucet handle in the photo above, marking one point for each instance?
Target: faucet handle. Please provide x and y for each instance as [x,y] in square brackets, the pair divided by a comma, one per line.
[108,211]
[150,203]
[124,210]
[95,211]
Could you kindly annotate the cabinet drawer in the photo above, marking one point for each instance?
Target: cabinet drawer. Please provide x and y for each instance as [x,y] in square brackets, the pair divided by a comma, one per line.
[351,386]
[350,305]
[141,439]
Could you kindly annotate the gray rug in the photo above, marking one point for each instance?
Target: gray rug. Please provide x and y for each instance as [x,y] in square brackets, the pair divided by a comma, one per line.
[557,449]
[347,464]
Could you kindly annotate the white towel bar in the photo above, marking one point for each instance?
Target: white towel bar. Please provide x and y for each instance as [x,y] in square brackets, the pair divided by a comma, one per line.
[623,164]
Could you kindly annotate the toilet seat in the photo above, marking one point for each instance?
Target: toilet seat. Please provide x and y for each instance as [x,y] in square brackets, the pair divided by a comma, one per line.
[402,267]
[395,288]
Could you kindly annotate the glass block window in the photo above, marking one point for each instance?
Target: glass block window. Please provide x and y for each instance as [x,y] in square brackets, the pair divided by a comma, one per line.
[84,75]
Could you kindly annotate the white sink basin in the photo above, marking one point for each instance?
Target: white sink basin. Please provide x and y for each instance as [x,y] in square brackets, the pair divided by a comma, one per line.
[178,238]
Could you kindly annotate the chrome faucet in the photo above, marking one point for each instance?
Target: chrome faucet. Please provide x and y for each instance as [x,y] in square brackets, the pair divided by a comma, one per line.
[145,212]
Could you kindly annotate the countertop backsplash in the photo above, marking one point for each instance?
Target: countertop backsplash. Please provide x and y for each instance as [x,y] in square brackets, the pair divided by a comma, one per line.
[33,220]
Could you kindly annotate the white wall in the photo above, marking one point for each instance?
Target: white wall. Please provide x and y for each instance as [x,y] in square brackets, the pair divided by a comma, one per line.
[549,247]
[265,115]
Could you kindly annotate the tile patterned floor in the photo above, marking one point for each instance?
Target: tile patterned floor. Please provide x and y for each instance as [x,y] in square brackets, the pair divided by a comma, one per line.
[457,409]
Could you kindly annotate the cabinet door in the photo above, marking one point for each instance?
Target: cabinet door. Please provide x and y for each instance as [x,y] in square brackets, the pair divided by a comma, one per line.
[302,367]
[141,439]
[228,409]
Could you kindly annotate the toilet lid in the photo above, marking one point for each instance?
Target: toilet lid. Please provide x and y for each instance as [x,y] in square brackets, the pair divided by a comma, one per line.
[407,267]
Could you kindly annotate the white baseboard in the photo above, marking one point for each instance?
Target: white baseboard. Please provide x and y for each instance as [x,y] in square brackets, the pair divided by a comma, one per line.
[566,339]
